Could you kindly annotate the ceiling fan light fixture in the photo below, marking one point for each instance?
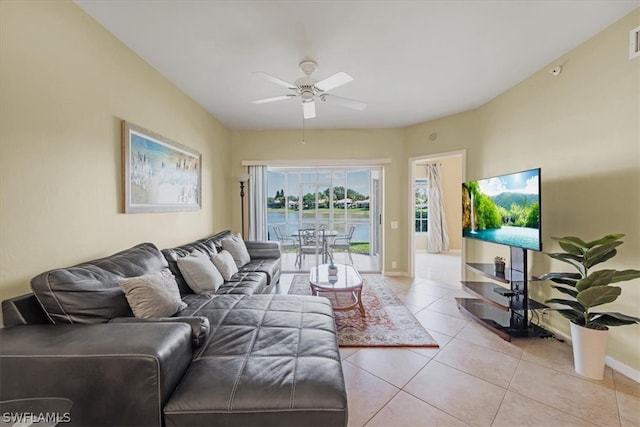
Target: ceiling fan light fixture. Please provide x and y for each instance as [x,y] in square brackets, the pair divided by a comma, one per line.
[308,89]
[307,95]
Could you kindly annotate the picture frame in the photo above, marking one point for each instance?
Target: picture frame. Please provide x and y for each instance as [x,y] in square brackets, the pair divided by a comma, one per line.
[159,175]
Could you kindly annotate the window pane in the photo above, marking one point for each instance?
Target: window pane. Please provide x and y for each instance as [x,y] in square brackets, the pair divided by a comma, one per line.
[358,191]
[422,205]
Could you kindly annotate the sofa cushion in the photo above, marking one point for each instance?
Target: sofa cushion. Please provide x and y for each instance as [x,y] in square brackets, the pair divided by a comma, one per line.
[245,283]
[238,250]
[225,264]
[153,295]
[268,360]
[199,272]
[270,267]
[216,240]
[89,292]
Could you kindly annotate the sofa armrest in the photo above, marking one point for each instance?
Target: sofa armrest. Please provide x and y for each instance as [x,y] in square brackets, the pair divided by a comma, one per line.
[263,249]
[114,374]
[199,325]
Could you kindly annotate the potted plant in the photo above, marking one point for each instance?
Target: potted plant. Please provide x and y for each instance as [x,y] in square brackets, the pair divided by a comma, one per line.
[498,264]
[585,290]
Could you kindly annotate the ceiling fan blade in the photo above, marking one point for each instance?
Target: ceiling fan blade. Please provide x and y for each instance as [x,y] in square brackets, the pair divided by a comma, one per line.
[332,82]
[275,80]
[309,109]
[275,98]
[345,102]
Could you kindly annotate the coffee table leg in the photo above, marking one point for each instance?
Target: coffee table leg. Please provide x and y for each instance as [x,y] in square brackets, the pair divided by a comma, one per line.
[360,306]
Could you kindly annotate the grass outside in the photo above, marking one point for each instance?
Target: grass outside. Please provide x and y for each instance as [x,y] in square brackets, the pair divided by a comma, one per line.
[356,248]
[360,248]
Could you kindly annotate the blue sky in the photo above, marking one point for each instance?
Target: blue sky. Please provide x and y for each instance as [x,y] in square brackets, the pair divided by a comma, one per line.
[520,182]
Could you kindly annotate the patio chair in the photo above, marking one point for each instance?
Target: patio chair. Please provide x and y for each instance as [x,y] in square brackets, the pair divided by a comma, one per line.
[310,242]
[343,243]
[286,242]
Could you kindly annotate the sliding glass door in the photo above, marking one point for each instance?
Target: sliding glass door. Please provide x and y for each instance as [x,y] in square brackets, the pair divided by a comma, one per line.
[333,198]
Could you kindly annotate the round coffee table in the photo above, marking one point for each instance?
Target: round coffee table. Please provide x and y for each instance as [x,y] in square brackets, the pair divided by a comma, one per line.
[344,279]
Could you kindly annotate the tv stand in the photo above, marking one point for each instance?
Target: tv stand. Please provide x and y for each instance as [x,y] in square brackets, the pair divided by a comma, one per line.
[504,311]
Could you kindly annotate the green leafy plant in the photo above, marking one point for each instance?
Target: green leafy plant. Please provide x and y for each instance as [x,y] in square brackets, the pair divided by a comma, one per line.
[590,289]
[499,260]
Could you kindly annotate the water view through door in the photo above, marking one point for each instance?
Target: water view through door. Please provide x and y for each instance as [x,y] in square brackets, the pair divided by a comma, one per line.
[333,198]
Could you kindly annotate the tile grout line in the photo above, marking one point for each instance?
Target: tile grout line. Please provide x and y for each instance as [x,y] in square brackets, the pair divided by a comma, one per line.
[402,288]
[398,390]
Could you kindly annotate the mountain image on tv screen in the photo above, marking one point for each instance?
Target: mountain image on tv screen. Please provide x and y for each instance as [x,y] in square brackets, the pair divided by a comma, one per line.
[504,209]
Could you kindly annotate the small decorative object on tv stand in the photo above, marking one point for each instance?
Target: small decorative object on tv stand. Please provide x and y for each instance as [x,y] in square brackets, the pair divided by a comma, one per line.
[503,310]
[498,265]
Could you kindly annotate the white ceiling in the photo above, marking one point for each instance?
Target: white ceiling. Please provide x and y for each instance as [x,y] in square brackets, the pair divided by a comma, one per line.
[413,61]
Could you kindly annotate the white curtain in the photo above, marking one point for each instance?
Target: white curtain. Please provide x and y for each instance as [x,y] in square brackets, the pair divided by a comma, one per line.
[258,203]
[437,237]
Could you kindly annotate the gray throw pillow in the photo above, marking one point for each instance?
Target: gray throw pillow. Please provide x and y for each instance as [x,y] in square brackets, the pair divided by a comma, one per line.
[238,250]
[225,264]
[153,295]
[199,272]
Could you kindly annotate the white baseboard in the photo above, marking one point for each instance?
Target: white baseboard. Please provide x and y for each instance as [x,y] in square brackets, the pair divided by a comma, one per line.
[620,367]
[395,273]
[609,361]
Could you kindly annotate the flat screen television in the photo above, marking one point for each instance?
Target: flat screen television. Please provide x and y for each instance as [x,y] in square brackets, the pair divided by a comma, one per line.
[504,209]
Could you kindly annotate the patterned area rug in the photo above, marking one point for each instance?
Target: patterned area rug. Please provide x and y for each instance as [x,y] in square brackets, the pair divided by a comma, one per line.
[388,322]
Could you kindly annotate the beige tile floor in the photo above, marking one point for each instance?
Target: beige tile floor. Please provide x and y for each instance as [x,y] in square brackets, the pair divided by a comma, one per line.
[474,378]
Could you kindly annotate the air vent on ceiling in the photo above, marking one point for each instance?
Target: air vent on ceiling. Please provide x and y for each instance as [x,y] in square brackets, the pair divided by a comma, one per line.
[634,43]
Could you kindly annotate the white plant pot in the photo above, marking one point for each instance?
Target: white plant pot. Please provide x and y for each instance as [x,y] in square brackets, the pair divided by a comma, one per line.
[589,351]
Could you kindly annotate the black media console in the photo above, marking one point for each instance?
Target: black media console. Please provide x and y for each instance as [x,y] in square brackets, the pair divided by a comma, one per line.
[503,310]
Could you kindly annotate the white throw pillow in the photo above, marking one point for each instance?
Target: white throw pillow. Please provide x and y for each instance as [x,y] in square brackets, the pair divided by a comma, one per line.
[199,272]
[153,295]
[238,250]
[225,264]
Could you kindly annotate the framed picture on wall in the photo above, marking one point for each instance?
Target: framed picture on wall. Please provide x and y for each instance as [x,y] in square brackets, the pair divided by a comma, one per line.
[159,175]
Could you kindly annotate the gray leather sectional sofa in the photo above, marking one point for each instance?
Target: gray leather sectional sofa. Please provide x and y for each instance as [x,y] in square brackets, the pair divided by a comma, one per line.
[241,356]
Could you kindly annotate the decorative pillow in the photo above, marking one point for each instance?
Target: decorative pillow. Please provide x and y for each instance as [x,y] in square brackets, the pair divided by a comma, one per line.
[225,264]
[153,295]
[199,272]
[235,245]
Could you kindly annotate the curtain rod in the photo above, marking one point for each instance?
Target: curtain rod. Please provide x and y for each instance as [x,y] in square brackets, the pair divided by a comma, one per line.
[319,162]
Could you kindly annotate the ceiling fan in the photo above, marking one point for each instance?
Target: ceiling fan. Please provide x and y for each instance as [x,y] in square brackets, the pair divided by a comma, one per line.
[310,89]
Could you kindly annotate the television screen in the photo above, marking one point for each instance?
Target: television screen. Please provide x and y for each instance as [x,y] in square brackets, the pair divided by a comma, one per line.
[504,209]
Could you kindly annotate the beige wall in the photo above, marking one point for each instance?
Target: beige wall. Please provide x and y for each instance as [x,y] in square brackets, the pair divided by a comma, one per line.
[66,85]
[583,129]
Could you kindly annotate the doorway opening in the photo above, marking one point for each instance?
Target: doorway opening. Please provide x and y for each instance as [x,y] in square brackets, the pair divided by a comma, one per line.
[451,167]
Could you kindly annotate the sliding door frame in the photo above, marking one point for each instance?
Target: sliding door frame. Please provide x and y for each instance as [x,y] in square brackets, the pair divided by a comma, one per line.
[375,226]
